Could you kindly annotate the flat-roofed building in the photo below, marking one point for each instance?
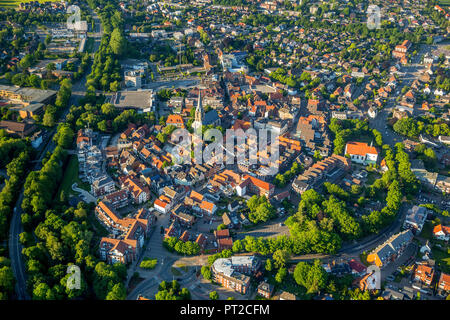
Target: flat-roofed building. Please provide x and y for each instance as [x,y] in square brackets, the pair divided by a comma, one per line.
[26,95]
[265,290]
[133,79]
[142,101]
[415,219]
[27,101]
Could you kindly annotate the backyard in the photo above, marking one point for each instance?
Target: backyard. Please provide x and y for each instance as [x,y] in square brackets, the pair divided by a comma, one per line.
[442,258]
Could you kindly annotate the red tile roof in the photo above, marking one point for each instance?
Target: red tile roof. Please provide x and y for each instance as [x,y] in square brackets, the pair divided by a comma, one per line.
[360,148]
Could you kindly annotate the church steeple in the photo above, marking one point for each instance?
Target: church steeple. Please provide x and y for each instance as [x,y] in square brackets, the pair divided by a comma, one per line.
[199,113]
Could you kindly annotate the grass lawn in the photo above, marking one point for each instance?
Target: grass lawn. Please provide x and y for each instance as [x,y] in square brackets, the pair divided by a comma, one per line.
[15,3]
[71,176]
[364,138]
[444,2]
[148,263]
[371,177]
[363,258]
[89,45]
[442,258]
[427,231]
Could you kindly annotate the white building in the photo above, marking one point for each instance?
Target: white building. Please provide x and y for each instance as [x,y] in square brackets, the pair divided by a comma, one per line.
[361,153]
[415,219]
[441,232]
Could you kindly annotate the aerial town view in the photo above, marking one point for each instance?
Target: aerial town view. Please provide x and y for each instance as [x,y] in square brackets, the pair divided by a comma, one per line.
[251,150]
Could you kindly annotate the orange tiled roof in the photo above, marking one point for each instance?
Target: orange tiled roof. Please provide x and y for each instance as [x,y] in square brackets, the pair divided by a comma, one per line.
[259,183]
[160,203]
[175,119]
[360,148]
[207,206]
[440,228]
[196,196]
[444,281]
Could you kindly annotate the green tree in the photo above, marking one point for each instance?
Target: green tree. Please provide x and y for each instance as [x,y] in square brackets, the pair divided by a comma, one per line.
[280,258]
[118,292]
[206,272]
[7,280]
[281,274]
[268,265]
[213,295]
[312,277]
[117,42]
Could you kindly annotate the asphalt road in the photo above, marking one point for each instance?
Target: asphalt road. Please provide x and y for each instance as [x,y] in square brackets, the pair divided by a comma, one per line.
[408,74]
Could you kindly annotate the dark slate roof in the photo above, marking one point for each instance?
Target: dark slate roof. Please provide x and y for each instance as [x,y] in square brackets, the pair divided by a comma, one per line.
[211,117]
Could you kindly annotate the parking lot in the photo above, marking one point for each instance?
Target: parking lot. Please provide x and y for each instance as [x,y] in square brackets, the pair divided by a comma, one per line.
[273,228]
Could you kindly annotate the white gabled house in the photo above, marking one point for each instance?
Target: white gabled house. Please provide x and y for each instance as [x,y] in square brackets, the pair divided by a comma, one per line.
[361,153]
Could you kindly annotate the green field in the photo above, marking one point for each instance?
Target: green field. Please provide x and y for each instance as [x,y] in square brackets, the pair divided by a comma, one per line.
[442,258]
[15,3]
[71,176]
[89,45]
[444,3]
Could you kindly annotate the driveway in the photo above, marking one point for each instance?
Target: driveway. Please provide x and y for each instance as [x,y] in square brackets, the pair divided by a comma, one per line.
[87,197]
[408,254]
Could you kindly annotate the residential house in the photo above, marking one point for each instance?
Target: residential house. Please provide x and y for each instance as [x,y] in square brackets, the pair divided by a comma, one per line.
[444,282]
[139,192]
[415,219]
[223,239]
[102,186]
[118,199]
[424,274]
[287,296]
[441,232]
[391,249]
[256,186]
[182,215]
[19,129]
[361,153]
[128,233]
[330,169]
[265,290]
